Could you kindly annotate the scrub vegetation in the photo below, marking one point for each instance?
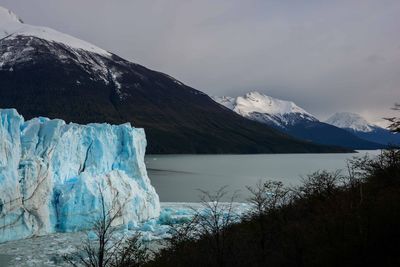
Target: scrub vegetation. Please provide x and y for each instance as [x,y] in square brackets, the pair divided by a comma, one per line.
[331,219]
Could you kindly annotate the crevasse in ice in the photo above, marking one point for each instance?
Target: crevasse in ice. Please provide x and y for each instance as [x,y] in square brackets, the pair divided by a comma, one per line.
[53,174]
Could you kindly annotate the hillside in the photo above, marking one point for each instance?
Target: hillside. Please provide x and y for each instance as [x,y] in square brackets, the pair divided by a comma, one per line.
[47,73]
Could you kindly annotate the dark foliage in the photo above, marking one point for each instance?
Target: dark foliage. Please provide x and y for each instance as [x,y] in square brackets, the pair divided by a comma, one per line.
[331,220]
[395,121]
[209,226]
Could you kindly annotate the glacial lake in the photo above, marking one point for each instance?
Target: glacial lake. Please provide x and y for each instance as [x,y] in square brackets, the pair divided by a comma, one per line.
[177,178]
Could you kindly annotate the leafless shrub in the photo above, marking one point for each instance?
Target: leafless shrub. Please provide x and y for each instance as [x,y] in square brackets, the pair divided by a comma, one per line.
[320,184]
[213,221]
[266,196]
[180,234]
[105,249]
[132,253]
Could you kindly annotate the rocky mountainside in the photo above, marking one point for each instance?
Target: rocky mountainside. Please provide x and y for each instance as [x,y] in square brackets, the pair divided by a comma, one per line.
[47,73]
[293,120]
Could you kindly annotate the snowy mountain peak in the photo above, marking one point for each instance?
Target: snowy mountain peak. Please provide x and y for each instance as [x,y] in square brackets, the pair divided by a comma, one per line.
[350,121]
[266,109]
[257,102]
[12,26]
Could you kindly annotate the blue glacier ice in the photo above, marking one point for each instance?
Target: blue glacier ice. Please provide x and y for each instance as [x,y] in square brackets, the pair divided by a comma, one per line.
[52,173]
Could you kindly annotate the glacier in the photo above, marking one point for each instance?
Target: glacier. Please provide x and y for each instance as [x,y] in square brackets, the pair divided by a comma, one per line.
[53,175]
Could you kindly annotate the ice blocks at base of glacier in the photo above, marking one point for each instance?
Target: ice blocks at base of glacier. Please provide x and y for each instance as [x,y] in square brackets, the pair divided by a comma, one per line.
[52,173]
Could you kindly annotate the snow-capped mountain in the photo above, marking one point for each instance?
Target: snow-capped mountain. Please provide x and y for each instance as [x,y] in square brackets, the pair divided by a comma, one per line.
[360,127]
[350,121]
[20,42]
[266,109]
[47,73]
[292,119]
[12,26]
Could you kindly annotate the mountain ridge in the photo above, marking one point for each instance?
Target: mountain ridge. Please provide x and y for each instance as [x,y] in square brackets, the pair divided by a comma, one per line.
[293,120]
[360,127]
[351,121]
[44,77]
[265,109]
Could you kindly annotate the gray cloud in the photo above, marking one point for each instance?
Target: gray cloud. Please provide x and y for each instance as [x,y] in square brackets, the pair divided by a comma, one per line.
[325,55]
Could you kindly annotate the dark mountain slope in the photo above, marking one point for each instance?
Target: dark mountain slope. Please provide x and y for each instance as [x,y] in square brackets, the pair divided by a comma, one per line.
[44,78]
[326,134]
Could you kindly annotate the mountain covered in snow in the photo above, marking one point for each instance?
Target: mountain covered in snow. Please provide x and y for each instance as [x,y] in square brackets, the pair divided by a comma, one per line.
[11,26]
[53,175]
[352,121]
[360,127]
[266,109]
[47,73]
[292,119]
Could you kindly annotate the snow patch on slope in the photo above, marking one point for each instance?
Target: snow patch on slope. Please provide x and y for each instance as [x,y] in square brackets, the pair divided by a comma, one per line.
[11,26]
[227,101]
[52,173]
[350,121]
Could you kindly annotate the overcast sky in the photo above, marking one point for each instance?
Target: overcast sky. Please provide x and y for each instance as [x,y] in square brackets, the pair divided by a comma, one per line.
[327,56]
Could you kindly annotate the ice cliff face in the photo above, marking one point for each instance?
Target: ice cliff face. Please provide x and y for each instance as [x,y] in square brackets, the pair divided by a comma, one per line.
[52,173]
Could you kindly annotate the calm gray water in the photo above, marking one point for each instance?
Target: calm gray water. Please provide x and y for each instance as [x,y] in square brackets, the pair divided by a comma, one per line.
[177,177]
